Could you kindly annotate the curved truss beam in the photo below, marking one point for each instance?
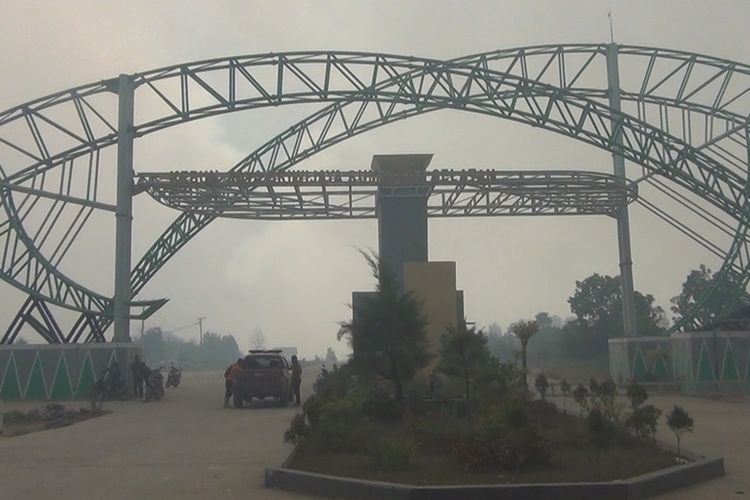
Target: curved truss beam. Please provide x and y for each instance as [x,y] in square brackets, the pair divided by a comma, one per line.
[349,68]
[294,135]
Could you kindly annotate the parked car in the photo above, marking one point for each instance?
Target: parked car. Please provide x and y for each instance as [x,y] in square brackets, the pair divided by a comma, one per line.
[264,374]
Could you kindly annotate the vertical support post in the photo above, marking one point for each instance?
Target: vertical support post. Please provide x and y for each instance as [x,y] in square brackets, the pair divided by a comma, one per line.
[124,211]
[623,221]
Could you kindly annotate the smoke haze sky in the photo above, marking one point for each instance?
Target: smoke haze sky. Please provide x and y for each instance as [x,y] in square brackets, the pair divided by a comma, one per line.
[294,279]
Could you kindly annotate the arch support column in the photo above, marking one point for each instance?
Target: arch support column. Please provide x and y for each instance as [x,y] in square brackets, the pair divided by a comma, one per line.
[623,220]
[124,210]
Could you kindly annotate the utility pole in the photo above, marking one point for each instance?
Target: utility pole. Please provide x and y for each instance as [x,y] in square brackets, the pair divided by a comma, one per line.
[200,329]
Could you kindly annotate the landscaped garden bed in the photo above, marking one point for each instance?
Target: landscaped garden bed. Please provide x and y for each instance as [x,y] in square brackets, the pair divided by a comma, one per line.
[471,427]
[436,460]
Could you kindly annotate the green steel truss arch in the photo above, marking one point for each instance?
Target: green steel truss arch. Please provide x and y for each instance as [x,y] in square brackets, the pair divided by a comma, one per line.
[684,118]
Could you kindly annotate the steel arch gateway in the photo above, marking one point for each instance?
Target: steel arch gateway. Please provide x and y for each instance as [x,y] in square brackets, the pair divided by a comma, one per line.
[558,88]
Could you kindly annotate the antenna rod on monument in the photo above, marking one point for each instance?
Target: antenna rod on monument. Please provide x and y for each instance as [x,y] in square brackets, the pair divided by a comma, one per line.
[611,29]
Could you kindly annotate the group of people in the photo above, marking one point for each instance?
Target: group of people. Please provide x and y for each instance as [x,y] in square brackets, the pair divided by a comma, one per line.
[233,371]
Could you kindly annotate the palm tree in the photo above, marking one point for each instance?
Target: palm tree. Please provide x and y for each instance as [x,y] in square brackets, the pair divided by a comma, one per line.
[387,333]
[524,330]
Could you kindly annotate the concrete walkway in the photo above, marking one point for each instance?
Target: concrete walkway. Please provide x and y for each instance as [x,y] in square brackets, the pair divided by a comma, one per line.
[721,429]
[188,447]
[183,447]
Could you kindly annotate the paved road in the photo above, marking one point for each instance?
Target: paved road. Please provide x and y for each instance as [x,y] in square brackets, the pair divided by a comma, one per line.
[187,447]
[721,429]
[184,447]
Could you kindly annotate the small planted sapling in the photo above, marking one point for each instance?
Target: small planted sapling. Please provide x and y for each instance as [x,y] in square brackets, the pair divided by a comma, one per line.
[542,385]
[565,389]
[680,422]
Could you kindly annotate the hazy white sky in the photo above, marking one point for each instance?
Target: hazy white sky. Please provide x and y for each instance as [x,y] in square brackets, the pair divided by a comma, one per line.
[294,279]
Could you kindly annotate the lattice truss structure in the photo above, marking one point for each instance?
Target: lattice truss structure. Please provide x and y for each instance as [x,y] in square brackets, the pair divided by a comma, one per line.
[290,195]
[682,126]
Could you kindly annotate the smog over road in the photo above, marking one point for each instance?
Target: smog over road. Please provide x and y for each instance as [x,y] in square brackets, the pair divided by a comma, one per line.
[252,249]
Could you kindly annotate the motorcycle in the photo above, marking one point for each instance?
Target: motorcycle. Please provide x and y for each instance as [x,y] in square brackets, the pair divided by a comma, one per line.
[174,377]
[154,386]
[104,388]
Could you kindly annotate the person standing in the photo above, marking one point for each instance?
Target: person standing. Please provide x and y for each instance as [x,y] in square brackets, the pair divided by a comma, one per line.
[229,375]
[296,379]
[138,369]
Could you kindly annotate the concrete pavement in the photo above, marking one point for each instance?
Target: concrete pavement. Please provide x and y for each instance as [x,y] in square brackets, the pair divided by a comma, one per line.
[189,447]
[184,447]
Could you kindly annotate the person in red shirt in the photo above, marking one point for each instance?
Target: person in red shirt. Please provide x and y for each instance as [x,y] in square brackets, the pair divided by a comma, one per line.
[229,377]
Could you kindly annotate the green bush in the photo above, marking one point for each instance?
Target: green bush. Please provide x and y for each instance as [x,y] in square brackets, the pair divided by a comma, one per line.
[637,394]
[392,454]
[581,396]
[515,448]
[298,431]
[514,413]
[602,431]
[441,430]
[680,422]
[643,421]
[541,408]
[542,385]
[380,405]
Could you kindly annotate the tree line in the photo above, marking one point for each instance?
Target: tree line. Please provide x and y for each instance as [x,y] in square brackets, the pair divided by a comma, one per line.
[214,353]
[596,309]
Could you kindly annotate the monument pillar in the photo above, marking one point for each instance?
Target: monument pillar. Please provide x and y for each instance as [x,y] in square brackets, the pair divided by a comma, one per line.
[401,207]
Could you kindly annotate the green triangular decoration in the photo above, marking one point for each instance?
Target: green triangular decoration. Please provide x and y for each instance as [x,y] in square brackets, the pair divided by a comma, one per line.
[11,390]
[35,387]
[705,372]
[61,389]
[113,359]
[729,372]
[639,366]
[86,380]
[660,369]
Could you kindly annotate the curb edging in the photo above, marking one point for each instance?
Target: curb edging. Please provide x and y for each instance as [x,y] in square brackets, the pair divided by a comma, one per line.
[643,486]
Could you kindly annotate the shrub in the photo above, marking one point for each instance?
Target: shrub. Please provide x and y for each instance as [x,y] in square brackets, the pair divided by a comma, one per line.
[378,404]
[541,385]
[643,421]
[541,408]
[438,431]
[637,394]
[565,390]
[680,422]
[392,454]
[298,431]
[512,413]
[516,448]
[603,396]
[602,432]
[347,408]
[312,408]
[581,396]
[14,417]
